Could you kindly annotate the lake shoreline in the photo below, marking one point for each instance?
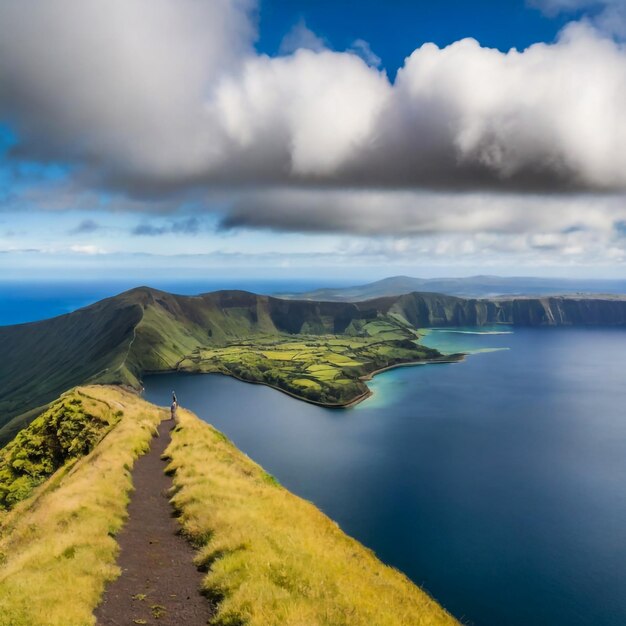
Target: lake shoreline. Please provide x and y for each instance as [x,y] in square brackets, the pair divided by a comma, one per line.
[455,358]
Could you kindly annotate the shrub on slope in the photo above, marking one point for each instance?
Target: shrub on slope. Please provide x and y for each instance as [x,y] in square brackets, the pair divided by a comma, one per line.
[63,433]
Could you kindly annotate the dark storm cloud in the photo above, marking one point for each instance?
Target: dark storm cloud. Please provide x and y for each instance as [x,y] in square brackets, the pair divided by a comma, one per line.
[411,213]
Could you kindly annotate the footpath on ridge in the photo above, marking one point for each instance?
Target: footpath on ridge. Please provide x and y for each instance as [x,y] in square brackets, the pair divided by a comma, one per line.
[159,583]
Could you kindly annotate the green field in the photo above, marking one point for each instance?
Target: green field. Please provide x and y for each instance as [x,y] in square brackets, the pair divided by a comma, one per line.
[319,368]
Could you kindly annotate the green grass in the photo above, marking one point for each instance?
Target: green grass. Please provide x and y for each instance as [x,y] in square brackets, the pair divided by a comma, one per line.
[64,433]
[307,383]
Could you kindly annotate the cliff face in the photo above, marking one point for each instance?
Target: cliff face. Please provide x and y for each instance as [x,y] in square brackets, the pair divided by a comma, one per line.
[564,312]
[427,310]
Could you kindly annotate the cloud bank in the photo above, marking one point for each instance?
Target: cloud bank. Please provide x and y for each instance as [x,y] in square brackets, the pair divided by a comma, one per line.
[411,213]
[163,98]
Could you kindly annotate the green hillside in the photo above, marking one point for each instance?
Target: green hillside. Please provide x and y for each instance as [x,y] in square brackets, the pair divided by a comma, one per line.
[145,330]
[44,359]
[317,351]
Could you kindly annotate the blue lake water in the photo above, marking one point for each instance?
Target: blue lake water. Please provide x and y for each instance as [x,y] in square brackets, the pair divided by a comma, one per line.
[498,484]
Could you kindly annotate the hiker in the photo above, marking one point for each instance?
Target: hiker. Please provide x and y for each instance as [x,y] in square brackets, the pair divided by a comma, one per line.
[174,406]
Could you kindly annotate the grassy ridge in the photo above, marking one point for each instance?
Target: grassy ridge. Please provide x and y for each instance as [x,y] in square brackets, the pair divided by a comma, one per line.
[57,547]
[276,560]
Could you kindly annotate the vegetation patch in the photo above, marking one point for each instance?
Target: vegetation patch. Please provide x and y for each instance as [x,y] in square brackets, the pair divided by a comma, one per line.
[63,433]
[274,559]
[326,369]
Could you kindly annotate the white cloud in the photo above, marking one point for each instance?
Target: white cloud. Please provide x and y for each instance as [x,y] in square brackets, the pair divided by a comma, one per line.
[88,249]
[167,99]
[299,116]
[161,93]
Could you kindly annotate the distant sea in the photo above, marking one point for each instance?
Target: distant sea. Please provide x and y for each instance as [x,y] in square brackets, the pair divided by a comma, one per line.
[22,302]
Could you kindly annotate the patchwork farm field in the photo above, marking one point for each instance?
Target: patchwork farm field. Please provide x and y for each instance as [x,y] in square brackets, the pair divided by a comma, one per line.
[326,369]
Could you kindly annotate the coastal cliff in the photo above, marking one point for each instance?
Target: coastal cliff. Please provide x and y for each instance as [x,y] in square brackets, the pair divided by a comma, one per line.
[427,310]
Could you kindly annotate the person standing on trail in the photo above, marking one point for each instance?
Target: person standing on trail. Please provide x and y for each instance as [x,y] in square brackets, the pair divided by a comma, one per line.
[174,406]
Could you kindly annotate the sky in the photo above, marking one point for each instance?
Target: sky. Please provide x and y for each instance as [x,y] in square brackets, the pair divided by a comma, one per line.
[302,138]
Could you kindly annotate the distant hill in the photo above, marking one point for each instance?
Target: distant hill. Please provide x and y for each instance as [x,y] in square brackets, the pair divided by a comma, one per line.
[143,330]
[473,287]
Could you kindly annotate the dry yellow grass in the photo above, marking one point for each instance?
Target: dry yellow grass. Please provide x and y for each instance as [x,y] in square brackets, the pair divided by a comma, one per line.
[276,560]
[57,548]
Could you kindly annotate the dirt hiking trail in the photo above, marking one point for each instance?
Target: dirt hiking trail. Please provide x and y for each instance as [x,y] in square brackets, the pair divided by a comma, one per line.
[159,584]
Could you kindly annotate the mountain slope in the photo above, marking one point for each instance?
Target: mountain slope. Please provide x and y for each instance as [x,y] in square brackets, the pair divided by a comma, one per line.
[143,330]
[43,359]
[146,330]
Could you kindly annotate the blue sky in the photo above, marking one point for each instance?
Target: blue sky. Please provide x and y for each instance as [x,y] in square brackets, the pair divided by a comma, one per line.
[395,29]
[312,138]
